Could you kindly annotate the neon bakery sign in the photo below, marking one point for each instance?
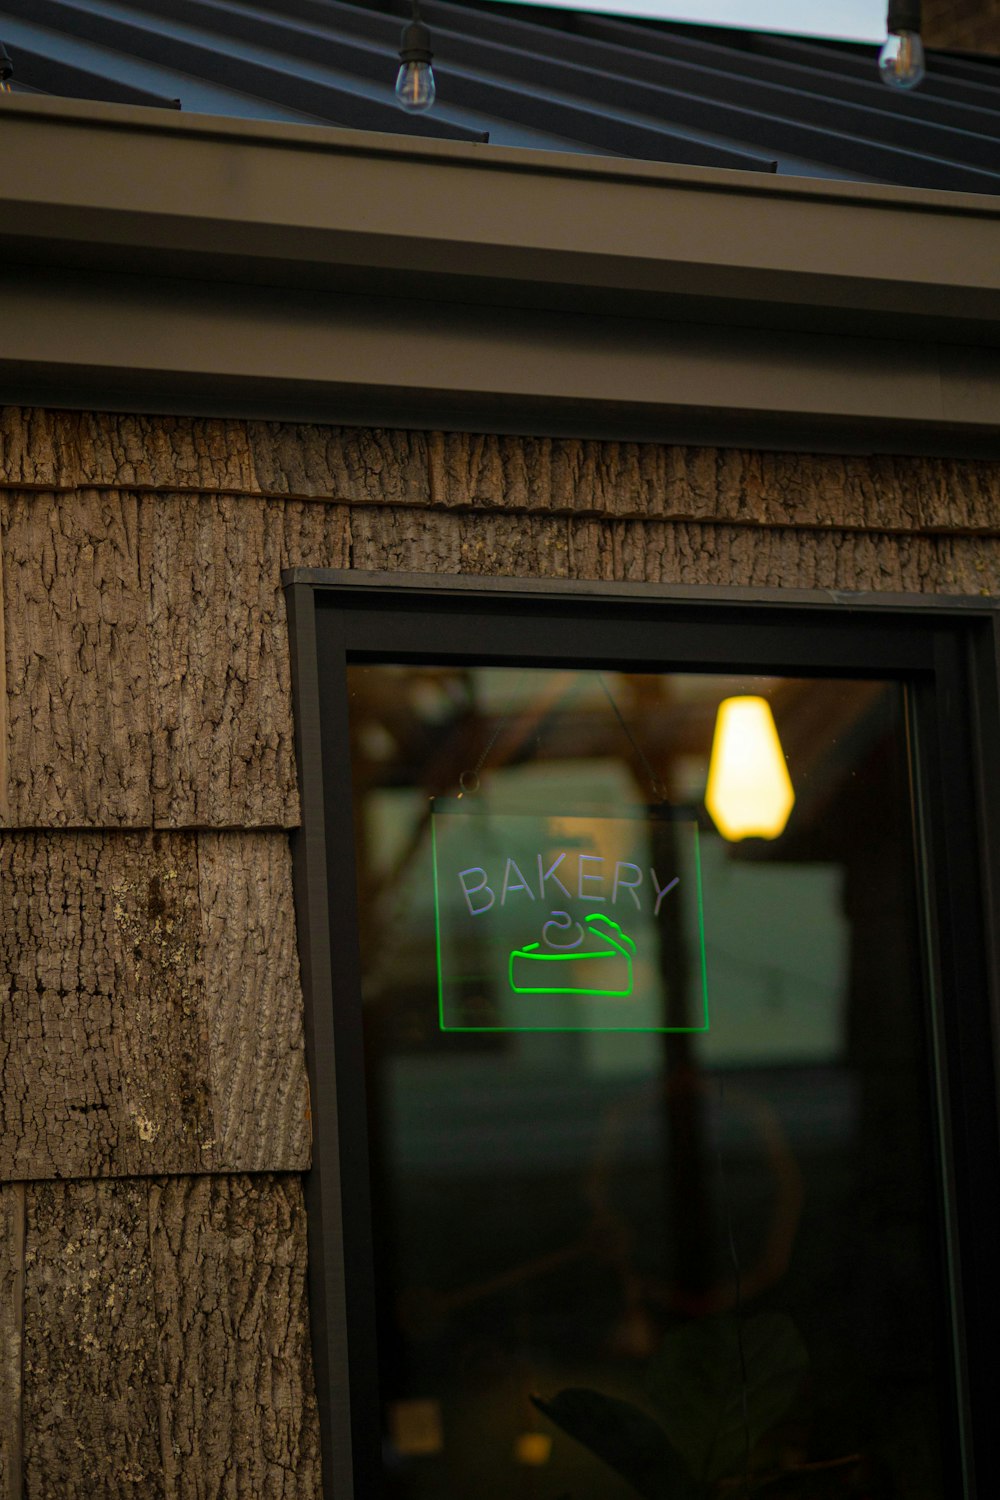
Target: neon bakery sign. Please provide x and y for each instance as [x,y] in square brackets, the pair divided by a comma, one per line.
[562,922]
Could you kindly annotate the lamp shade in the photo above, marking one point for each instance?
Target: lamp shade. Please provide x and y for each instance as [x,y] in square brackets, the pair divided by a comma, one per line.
[749,789]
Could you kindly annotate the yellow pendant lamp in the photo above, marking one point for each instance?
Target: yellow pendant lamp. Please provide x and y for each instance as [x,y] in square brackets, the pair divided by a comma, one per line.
[749,791]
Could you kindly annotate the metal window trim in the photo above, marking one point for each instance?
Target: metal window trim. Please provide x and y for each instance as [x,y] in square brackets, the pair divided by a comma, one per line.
[355,582]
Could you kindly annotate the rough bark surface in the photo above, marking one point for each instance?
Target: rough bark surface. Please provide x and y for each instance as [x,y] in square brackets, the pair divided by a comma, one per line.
[658,552]
[103,1064]
[90,1400]
[97,584]
[77,660]
[72,450]
[4,714]
[966,25]
[223,742]
[11,1322]
[222,752]
[147,656]
[166,1349]
[641,480]
[238,1412]
[146,643]
[224,749]
[150,1010]
[341,463]
[415,541]
[316,536]
[967,565]
[260,1094]
[671,552]
[959,495]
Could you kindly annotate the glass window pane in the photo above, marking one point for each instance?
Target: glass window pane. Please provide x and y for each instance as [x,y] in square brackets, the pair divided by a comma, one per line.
[649,1105]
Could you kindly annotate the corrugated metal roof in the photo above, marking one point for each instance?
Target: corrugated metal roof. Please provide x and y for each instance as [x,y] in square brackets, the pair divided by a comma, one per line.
[551,79]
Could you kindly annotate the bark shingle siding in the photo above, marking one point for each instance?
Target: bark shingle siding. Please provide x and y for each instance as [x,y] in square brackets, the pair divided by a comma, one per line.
[153,1097]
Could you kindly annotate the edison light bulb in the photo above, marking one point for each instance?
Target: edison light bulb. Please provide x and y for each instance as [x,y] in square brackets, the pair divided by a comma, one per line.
[415,80]
[749,790]
[415,86]
[901,60]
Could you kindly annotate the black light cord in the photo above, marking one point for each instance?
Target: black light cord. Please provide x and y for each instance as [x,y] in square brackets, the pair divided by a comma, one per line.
[903,15]
[415,43]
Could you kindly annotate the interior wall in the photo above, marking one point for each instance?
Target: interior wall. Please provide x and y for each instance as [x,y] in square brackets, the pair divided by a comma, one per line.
[154,1115]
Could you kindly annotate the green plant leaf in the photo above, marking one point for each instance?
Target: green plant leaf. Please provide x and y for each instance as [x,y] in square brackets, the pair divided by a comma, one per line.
[626,1438]
[696,1384]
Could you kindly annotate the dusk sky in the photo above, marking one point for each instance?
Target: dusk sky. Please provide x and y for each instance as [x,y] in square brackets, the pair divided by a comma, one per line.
[853,20]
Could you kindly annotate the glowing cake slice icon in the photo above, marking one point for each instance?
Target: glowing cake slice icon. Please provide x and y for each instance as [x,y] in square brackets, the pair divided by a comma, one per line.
[597,962]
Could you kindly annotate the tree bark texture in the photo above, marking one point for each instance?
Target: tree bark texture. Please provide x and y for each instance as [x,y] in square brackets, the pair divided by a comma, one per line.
[76,450]
[653,481]
[151,1011]
[159,691]
[335,463]
[671,552]
[223,742]
[11,1327]
[146,652]
[166,1350]
[148,672]
[78,674]
[151,1049]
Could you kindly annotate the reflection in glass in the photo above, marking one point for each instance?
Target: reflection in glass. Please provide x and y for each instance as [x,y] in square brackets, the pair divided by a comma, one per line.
[641,1256]
[749,791]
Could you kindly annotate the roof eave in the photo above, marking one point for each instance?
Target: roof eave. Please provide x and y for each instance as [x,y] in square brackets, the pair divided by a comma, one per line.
[440,229]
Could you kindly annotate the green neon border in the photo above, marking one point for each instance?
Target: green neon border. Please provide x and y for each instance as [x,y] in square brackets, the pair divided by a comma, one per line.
[647,1030]
[437,940]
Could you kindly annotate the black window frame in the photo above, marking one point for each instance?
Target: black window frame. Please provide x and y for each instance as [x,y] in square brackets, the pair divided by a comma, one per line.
[947,650]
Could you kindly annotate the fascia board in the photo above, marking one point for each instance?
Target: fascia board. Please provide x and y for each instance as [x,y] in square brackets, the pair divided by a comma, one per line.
[199,346]
[105,184]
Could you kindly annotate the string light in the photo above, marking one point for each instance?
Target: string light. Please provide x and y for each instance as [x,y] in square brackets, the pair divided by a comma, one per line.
[415,88]
[901,60]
